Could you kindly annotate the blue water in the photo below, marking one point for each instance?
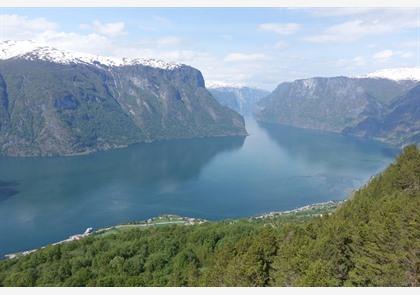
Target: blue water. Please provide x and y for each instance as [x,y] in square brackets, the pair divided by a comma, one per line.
[43,200]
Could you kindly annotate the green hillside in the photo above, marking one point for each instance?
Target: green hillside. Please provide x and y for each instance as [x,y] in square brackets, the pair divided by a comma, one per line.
[373,239]
[52,109]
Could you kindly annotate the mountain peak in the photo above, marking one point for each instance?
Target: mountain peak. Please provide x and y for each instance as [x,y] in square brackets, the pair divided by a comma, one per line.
[31,50]
[211,84]
[397,74]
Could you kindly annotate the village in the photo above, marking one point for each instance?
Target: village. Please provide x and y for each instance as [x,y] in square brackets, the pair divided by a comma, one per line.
[155,221]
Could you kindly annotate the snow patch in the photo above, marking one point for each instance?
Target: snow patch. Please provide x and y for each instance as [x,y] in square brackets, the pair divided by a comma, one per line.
[396,74]
[211,84]
[310,84]
[30,50]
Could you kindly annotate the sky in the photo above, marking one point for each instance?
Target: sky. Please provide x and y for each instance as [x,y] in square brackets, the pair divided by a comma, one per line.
[258,47]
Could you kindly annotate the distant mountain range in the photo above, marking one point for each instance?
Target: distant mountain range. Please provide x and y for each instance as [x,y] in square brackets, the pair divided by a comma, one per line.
[373,107]
[55,102]
[398,123]
[398,74]
[236,97]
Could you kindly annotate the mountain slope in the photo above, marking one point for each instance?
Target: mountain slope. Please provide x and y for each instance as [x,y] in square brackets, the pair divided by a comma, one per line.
[241,99]
[55,102]
[330,104]
[400,123]
[371,240]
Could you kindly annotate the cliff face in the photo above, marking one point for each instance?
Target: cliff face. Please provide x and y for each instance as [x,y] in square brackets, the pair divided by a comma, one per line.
[173,104]
[399,123]
[240,99]
[50,107]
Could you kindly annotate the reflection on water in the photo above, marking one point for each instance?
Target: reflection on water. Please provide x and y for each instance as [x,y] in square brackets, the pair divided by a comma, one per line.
[143,165]
[62,195]
[328,148]
[275,168]
[7,189]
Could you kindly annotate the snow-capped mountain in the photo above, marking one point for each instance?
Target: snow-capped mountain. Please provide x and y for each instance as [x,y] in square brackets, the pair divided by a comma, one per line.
[31,50]
[211,84]
[56,102]
[397,74]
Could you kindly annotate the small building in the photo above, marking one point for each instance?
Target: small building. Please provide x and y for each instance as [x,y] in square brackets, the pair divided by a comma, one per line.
[88,231]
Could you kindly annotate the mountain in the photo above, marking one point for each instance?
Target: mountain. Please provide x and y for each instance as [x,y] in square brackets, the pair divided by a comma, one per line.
[55,102]
[372,239]
[237,97]
[397,74]
[330,104]
[400,122]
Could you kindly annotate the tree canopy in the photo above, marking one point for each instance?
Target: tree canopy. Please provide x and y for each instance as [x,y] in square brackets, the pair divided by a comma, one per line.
[373,239]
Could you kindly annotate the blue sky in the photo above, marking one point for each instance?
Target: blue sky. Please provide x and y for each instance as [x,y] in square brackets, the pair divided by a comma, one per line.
[253,46]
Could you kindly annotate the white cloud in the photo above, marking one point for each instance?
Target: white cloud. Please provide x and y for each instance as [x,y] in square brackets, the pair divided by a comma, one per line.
[359,61]
[106,29]
[280,45]
[17,27]
[186,56]
[349,31]
[41,30]
[341,11]
[154,23]
[168,41]
[383,55]
[366,22]
[403,54]
[161,42]
[147,28]
[410,44]
[280,28]
[255,68]
[101,42]
[162,20]
[350,63]
[407,55]
[238,57]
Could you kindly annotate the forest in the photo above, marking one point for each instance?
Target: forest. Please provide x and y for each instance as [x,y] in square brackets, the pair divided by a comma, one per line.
[372,239]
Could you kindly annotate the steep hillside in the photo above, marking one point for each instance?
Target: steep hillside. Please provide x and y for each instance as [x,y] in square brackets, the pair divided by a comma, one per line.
[400,122]
[330,104]
[373,239]
[240,99]
[54,102]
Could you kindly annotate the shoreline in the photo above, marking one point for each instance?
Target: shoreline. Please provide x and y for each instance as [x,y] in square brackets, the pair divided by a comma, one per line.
[170,219]
[332,204]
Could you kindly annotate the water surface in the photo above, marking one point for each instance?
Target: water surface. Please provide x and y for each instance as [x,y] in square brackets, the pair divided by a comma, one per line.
[43,200]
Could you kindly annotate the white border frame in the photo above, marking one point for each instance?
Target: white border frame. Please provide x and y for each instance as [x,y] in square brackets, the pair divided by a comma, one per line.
[209,3]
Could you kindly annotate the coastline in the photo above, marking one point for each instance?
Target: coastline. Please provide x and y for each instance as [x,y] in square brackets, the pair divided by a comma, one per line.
[311,210]
[315,209]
